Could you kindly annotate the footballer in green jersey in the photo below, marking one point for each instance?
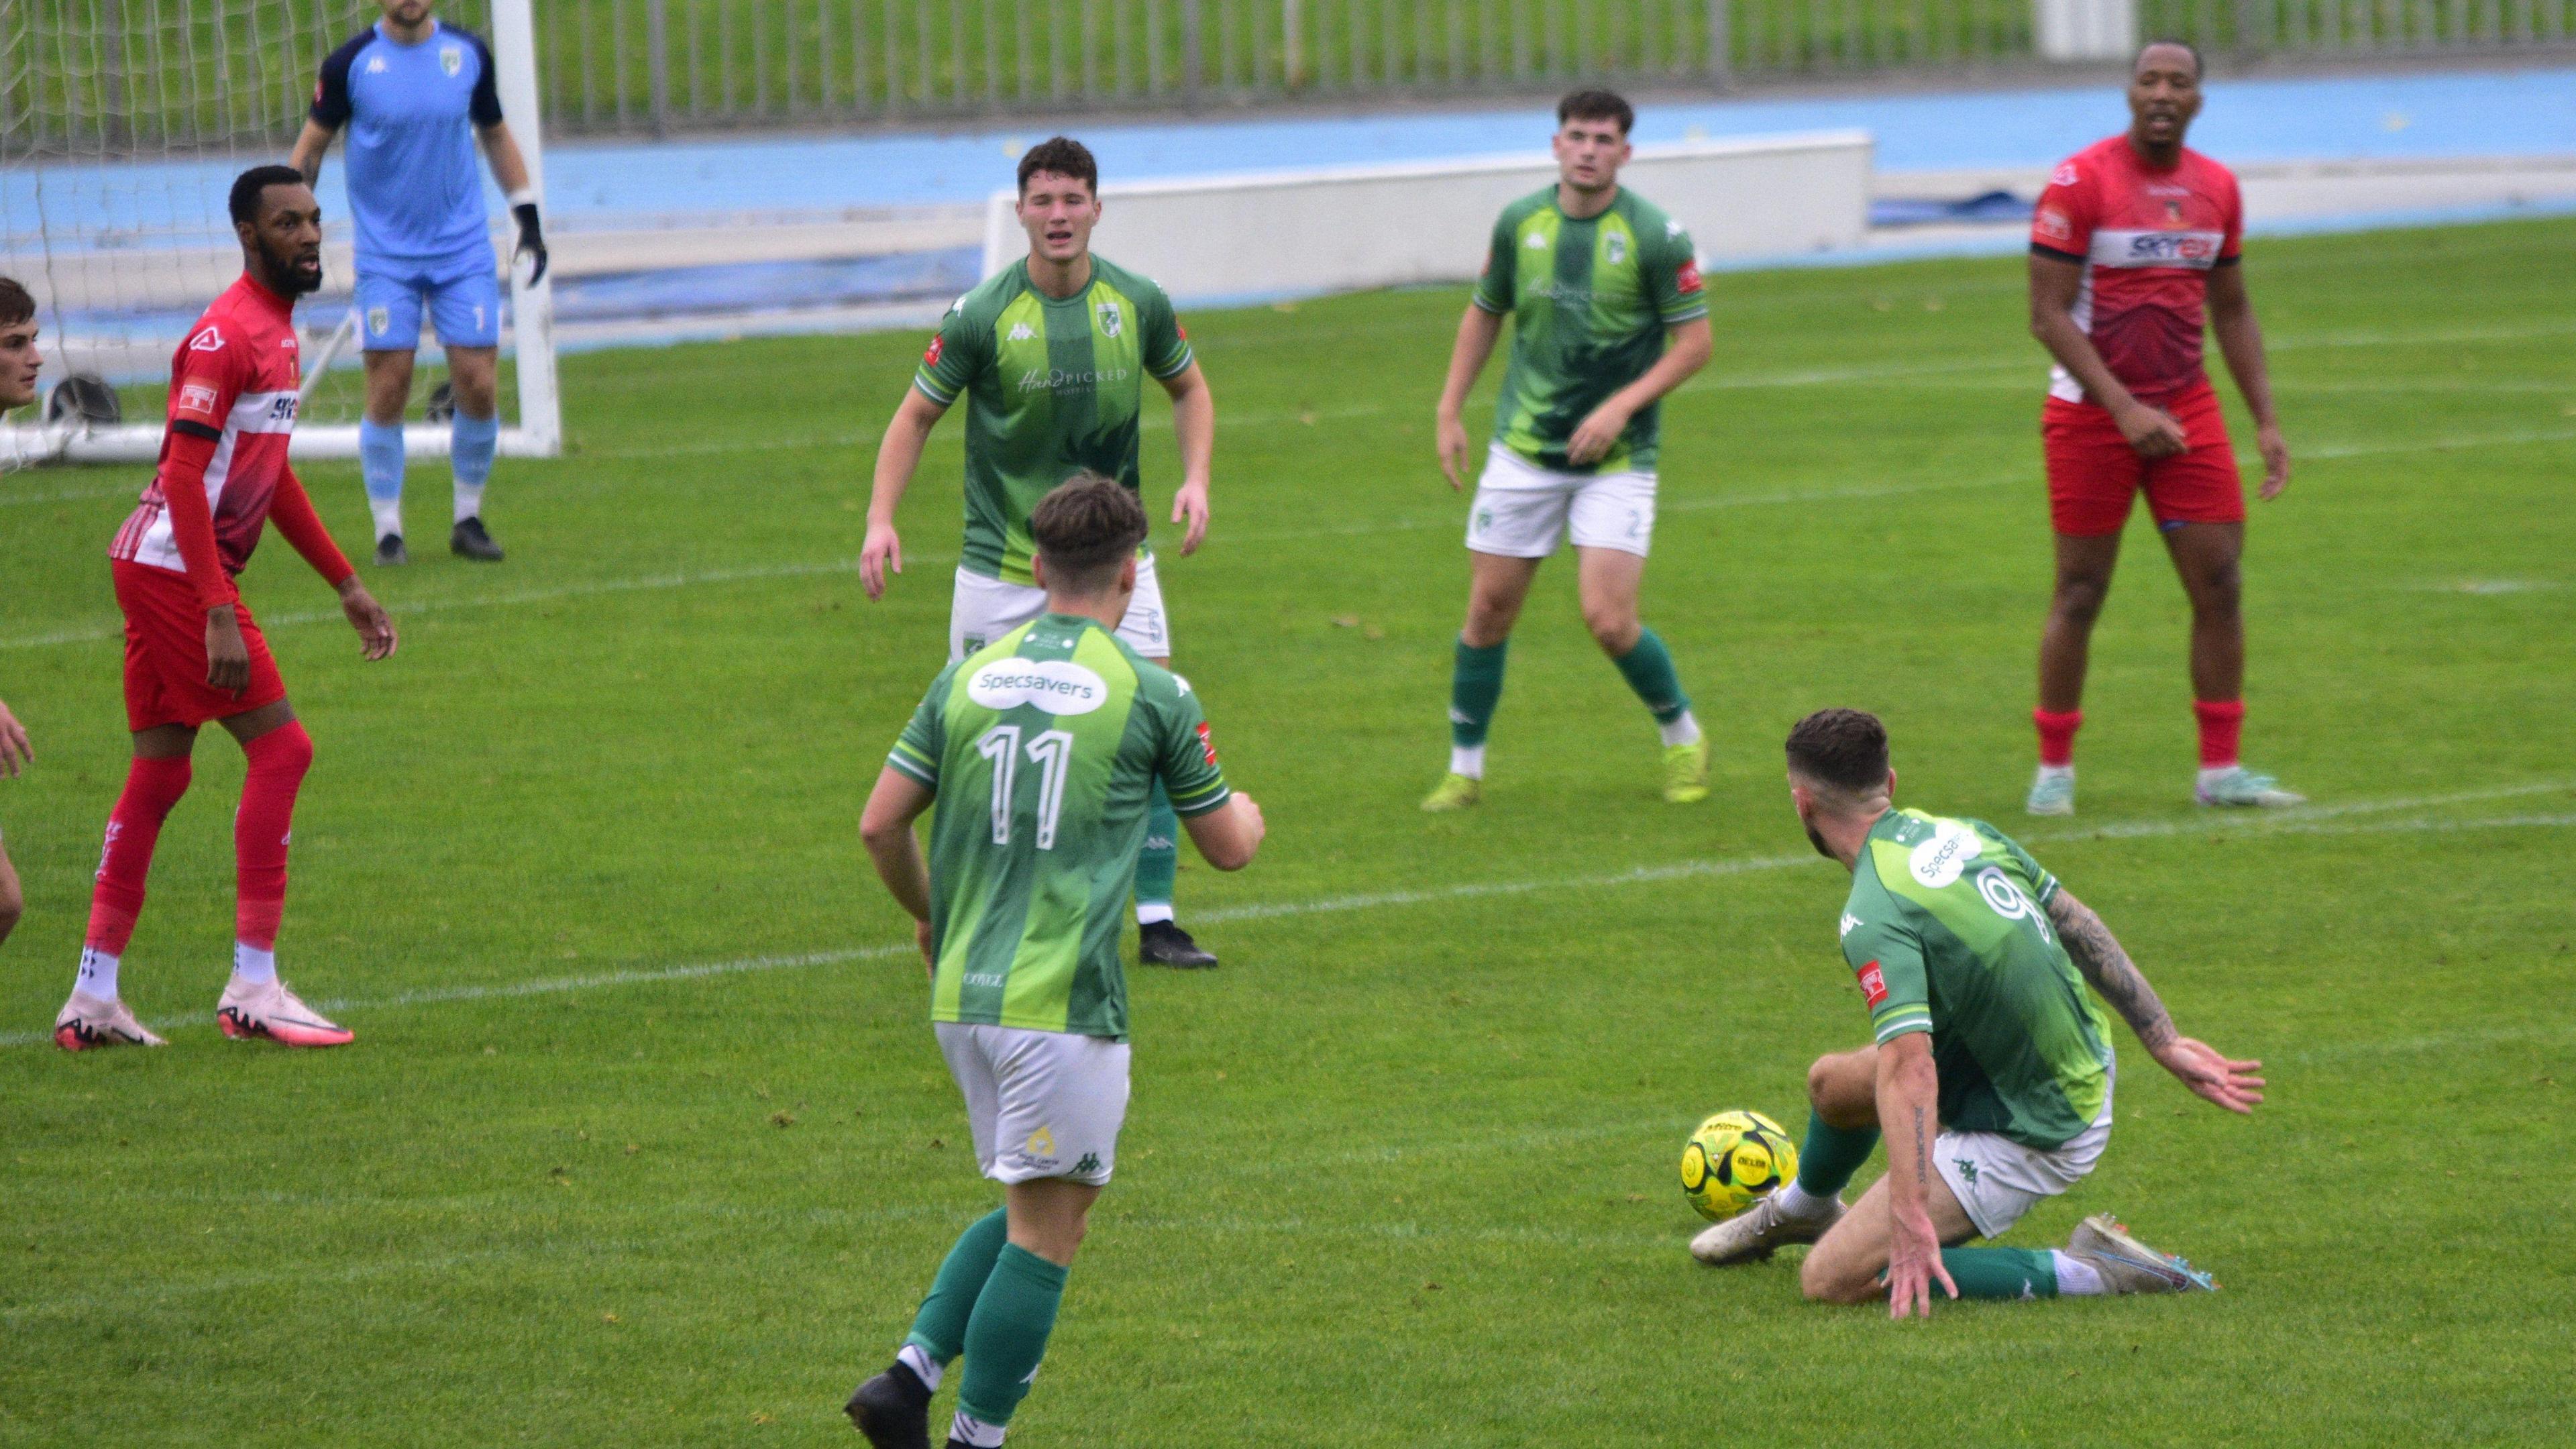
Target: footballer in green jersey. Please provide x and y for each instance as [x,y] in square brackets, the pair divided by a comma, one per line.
[1603,293]
[1991,1072]
[1051,356]
[1040,749]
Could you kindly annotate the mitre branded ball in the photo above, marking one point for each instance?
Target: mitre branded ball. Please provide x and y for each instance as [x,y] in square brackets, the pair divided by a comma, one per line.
[1734,1158]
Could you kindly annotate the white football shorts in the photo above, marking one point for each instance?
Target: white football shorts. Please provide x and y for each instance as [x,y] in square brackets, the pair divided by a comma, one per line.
[1040,1103]
[1523,510]
[984,609]
[1997,1179]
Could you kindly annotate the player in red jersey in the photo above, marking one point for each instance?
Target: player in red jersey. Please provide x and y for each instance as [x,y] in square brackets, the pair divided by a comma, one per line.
[192,651]
[2130,239]
[19,364]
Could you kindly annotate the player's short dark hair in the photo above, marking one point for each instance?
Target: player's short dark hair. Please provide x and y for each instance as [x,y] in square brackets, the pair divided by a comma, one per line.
[1064,156]
[1844,748]
[16,305]
[2198,66]
[1597,106]
[252,184]
[1085,529]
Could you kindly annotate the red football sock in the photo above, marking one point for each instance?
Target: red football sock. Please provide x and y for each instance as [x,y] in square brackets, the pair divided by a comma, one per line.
[278,760]
[152,787]
[2057,734]
[2221,720]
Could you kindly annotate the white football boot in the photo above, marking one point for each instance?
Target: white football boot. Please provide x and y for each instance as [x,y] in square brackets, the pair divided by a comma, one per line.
[2129,1266]
[1758,1230]
[2241,787]
[269,1010]
[86,1022]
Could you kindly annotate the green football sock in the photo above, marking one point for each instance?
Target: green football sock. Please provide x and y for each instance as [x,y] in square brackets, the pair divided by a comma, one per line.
[1649,671]
[1158,865]
[939,1329]
[1475,688]
[2006,1273]
[1830,1155]
[1008,1333]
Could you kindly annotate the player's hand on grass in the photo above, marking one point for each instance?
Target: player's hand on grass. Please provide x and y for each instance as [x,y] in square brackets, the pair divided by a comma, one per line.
[1596,435]
[2214,1078]
[1452,444]
[15,753]
[1913,1263]
[1190,506]
[882,551]
[375,627]
[2152,431]
[2276,460]
[227,657]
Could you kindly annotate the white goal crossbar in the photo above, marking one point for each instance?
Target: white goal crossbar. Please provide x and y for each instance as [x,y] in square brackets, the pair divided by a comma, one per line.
[538,433]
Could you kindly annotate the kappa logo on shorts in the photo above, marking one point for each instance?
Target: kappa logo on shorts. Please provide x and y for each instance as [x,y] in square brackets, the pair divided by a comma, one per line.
[1966,1168]
[1089,1164]
[1873,985]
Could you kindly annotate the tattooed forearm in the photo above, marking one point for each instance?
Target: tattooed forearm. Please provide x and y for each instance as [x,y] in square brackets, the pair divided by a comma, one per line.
[2097,954]
[1922,1152]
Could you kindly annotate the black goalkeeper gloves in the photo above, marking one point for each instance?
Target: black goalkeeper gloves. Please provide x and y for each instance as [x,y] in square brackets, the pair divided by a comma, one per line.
[532,241]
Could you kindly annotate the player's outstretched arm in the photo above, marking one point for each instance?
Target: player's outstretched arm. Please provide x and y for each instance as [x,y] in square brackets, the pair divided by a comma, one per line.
[2054,284]
[1194,427]
[310,143]
[2108,969]
[15,753]
[1230,835]
[1909,1114]
[1478,331]
[897,456]
[2240,341]
[885,828]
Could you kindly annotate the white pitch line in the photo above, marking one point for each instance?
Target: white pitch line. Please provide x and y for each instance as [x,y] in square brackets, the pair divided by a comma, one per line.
[2305,820]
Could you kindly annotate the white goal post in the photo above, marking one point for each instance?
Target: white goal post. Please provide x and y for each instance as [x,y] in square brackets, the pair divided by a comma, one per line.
[1263,236]
[173,268]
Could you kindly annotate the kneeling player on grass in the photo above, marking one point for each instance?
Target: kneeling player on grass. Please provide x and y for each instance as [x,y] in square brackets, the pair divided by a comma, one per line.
[192,651]
[1992,1072]
[1045,746]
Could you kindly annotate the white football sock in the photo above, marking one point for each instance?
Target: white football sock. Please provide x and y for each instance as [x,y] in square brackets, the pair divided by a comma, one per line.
[2050,773]
[1796,1202]
[966,1429]
[469,501]
[388,512]
[911,1357]
[97,974]
[1467,760]
[2075,1276]
[1147,915]
[253,965]
[1684,730]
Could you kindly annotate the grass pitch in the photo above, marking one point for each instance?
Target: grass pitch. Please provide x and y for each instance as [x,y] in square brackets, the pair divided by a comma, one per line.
[644,1140]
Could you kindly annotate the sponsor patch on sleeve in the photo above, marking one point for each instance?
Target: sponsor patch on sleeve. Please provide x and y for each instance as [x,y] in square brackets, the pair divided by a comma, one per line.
[2052,222]
[1873,985]
[1207,742]
[937,344]
[197,402]
[1687,279]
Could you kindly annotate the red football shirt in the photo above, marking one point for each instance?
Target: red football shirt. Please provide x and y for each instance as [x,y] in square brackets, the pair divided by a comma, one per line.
[2146,240]
[234,383]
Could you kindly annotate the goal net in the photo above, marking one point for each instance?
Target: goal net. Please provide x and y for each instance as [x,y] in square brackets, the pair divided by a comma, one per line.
[122,126]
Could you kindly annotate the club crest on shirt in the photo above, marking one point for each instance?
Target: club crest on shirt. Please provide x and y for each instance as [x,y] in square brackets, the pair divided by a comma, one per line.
[2173,214]
[1614,248]
[451,59]
[1111,317]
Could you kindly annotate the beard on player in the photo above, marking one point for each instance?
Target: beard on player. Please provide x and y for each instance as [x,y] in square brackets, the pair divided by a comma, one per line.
[291,270]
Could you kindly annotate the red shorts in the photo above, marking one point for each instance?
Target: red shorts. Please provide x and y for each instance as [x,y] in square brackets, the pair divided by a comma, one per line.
[2094,475]
[165,653]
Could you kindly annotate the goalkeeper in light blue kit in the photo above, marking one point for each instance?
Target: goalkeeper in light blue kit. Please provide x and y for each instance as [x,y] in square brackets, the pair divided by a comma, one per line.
[414,93]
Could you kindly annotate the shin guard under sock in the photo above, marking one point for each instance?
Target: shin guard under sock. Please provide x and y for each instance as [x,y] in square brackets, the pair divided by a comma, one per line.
[261,829]
[939,1329]
[1830,1155]
[1007,1335]
[152,787]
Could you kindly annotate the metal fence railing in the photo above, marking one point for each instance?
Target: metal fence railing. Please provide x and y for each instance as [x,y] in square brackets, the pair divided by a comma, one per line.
[148,75]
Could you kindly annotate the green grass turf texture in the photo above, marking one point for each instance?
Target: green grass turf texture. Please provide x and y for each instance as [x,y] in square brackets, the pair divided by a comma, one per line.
[1402,1171]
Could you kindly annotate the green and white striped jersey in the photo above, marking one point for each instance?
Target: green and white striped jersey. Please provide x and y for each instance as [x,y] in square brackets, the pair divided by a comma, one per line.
[1589,301]
[1043,748]
[1052,386]
[1947,929]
